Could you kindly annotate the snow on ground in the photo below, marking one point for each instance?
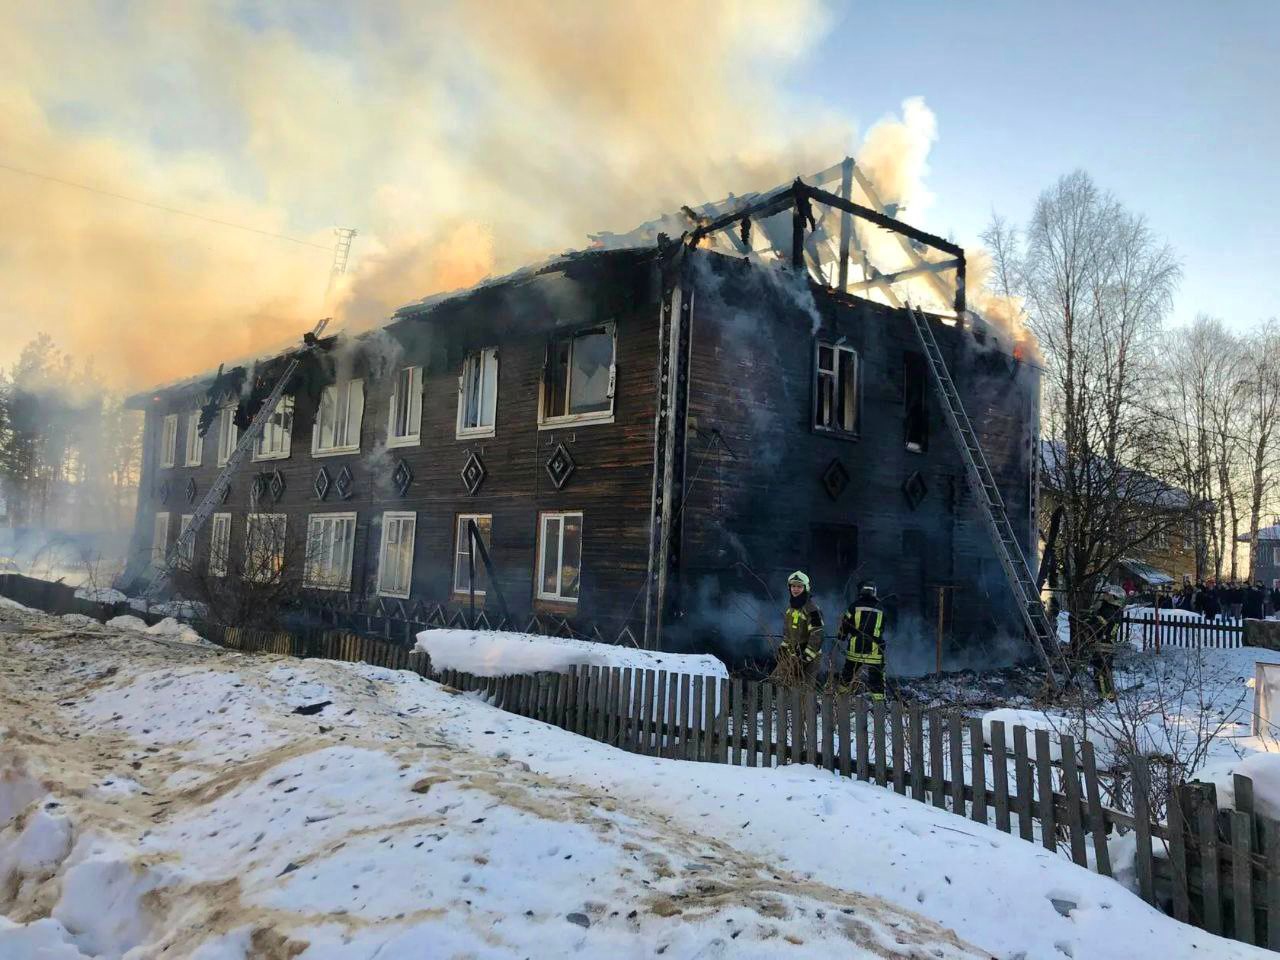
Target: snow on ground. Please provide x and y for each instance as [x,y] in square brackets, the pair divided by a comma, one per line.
[189,811]
[100,594]
[489,653]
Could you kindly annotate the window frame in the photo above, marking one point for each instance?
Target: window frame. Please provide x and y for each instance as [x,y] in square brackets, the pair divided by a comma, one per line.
[187,559]
[399,516]
[414,415]
[338,449]
[561,515]
[460,429]
[837,348]
[251,574]
[343,583]
[914,359]
[228,432]
[219,547]
[169,441]
[457,548]
[546,422]
[282,454]
[161,550]
[193,440]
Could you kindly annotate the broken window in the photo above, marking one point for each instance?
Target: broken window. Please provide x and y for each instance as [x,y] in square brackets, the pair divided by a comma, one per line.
[159,538]
[578,379]
[169,441]
[228,433]
[478,394]
[836,394]
[395,558]
[264,546]
[462,552]
[560,556]
[187,555]
[194,441]
[915,417]
[331,540]
[338,419]
[833,556]
[404,428]
[274,441]
[219,544]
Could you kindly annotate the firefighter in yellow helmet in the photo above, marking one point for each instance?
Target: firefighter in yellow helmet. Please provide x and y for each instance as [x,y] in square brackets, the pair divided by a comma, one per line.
[801,634]
[862,638]
[1103,635]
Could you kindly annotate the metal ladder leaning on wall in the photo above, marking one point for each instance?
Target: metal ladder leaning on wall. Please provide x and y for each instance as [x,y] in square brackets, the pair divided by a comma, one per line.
[217,489]
[1021,581]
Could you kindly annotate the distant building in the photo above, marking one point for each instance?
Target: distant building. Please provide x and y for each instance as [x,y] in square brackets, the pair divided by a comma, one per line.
[1266,554]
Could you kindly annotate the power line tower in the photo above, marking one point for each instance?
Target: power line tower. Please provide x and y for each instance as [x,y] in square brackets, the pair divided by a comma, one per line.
[341,252]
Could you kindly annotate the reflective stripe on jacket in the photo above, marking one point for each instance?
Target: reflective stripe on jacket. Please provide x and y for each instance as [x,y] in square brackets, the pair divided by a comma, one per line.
[801,628]
[864,627]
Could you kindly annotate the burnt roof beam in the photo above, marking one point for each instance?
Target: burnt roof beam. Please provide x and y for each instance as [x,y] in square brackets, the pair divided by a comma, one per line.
[885,221]
[922,270]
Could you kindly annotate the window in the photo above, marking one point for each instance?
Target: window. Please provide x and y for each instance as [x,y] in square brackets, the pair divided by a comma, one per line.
[195,442]
[462,552]
[160,538]
[169,441]
[331,540]
[1275,556]
[337,427]
[404,428]
[578,378]
[478,394]
[219,544]
[836,394]
[274,441]
[228,433]
[395,558]
[264,546]
[187,556]
[916,419]
[560,556]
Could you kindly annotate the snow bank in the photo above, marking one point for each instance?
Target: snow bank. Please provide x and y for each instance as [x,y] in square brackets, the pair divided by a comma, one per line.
[485,653]
[12,604]
[168,628]
[101,594]
[1262,768]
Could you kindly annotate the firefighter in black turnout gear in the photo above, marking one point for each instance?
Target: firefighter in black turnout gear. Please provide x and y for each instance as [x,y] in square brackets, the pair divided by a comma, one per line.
[801,634]
[1104,639]
[862,636]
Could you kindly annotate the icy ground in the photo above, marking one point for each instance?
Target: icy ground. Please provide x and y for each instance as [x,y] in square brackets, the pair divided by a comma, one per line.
[162,798]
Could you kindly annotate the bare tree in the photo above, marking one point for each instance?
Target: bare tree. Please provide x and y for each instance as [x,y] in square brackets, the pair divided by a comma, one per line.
[1261,423]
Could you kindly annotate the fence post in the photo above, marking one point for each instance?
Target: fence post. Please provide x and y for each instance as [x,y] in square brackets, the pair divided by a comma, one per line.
[1097,819]
[722,724]
[860,733]
[739,721]
[1022,779]
[978,763]
[957,764]
[1071,784]
[1271,841]
[1242,875]
[770,746]
[842,722]
[898,736]
[753,725]
[1000,775]
[1044,767]
[917,753]
[936,773]
[1142,816]
[1176,819]
[877,726]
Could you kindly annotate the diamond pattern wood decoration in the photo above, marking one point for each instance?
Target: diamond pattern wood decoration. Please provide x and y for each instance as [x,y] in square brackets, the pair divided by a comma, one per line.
[191,489]
[162,491]
[915,489]
[473,473]
[345,483]
[560,466]
[835,479]
[275,485]
[322,483]
[402,476]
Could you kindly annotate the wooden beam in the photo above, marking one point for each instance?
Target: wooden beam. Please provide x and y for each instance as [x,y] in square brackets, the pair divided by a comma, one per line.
[846,221]
[923,269]
[887,222]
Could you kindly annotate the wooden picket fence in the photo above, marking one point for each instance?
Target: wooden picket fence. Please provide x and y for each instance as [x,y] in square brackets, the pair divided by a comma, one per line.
[1222,633]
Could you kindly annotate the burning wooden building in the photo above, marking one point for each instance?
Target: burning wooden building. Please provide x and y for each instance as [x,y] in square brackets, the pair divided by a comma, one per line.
[646,438]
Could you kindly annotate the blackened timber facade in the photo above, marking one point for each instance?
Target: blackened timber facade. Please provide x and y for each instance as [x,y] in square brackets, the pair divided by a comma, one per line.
[648,440]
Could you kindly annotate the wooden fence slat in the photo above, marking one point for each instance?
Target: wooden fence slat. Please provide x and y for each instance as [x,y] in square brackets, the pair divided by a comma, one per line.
[978,770]
[766,718]
[1022,780]
[1097,825]
[811,726]
[828,731]
[1142,829]
[650,700]
[1210,861]
[957,764]
[917,753]
[1071,789]
[1177,841]
[694,751]
[673,716]
[897,739]
[936,772]
[799,735]
[682,718]
[1044,792]
[710,699]
[1272,840]
[842,722]
[659,715]
[877,729]
[862,751]
[722,723]
[595,718]
[625,709]
[739,721]
[1242,875]
[787,718]
[752,716]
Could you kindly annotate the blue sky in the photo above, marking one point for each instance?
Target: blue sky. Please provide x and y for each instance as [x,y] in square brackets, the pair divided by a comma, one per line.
[1172,106]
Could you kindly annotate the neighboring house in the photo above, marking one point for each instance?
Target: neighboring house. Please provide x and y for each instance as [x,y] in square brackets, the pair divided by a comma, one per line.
[649,440]
[1266,554]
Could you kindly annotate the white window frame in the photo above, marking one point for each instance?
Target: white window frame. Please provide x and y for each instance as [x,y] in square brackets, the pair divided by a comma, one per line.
[398,517]
[342,393]
[543,518]
[275,440]
[250,566]
[461,539]
[228,432]
[169,440]
[412,414]
[195,443]
[600,416]
[342,581]
[819,372]
[160,537]
[187,558]
[219,544]
[481,364]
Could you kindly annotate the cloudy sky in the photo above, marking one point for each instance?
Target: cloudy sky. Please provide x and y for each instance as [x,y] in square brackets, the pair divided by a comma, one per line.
[463,139]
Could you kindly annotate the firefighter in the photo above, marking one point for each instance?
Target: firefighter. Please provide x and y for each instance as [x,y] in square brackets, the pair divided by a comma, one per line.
[1104,639]
[862,629]
[801,634]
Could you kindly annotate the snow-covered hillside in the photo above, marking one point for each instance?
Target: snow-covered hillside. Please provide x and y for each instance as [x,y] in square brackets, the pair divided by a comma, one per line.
[163,798]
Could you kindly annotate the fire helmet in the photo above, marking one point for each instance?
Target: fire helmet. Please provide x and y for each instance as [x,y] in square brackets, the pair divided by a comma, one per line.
[866,589]
[1113,595]
[799,577]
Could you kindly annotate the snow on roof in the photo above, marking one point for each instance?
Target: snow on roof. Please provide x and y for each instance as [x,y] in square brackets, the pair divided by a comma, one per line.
[1147,573]
[1136,484]
[1264,533]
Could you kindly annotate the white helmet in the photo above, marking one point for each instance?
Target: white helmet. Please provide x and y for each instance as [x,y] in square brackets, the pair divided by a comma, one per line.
[799,577]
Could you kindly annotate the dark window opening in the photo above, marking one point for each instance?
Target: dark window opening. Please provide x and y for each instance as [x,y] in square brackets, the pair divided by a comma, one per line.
[833,556]
[915,416]
[836,388]
[579,375]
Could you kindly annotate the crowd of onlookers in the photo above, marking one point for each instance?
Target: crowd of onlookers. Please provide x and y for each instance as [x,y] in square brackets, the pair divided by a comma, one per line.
[1231,600]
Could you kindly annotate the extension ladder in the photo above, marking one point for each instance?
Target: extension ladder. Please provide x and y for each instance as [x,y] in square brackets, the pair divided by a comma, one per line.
[1021,581]
[213,497]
